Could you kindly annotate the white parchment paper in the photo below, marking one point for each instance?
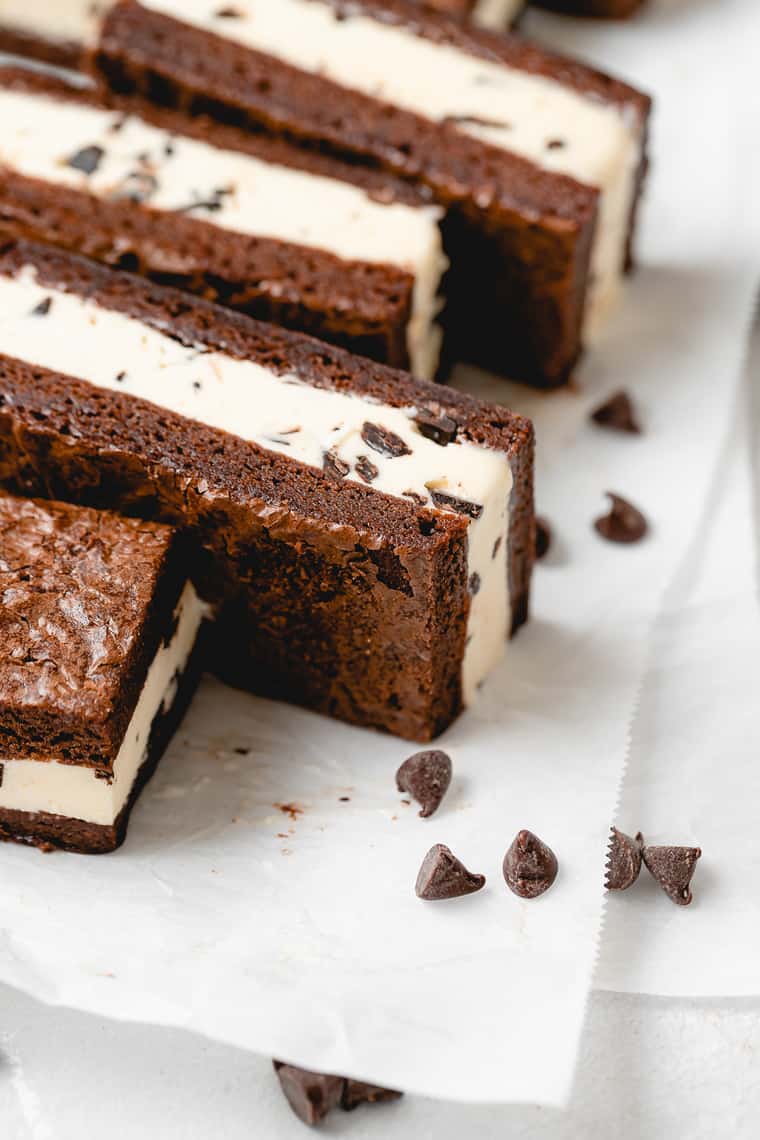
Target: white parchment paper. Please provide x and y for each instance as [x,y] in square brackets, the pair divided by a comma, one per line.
[296,932]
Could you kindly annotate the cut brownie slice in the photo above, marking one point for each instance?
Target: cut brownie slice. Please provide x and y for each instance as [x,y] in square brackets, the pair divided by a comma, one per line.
[539,160]
[56,31]
[304,241]
[604,9]
[370,536]
[97,630]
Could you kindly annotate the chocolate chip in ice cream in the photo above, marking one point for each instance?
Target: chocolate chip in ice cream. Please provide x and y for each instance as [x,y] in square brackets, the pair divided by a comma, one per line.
[623,860]
[443,876]
[530,867]
[623,523]
[452,503]
[438,427]
[87,159]
[426,777]
[366,469]
[384,442]
[673,868]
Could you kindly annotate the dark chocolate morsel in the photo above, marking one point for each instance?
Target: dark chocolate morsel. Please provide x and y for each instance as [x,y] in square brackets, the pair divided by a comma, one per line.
[624,523]
[442,876]
[474,584]
[383,441]
[623,860]
[357,1092]
[310,1095]
[530,867]
[333,465]
[228,14]
[87,159]
[43,308]
[426,777]
[461,506]
[617,413]
[438,427]
[543,537]
[673,868]
[366,469]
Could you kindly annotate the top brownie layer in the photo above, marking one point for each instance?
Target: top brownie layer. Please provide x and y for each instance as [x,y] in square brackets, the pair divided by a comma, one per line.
[85,600]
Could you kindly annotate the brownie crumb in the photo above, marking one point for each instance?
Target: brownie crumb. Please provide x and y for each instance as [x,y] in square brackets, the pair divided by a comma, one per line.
[87,159]
[617,414]
[530,867]
[624,522]
[443,876]
[426,777]
[673,868]
[623,860]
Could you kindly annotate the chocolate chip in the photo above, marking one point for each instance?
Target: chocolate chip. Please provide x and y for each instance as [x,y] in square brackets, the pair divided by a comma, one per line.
[366,469]
[555,144]
[442,876]
[357,1092]
[120,377]
[497,546]
[543,537]
[228,14]
[530,867]
[461,506]
[87,159]
[426,777]
[474,584]
[310,1095]
[418,499]
[623,860]
[43,308]
[138,186]
[383,441]
[440,428]
[673,868]
[213,203]
[617,413]
[624,523]
[333,465]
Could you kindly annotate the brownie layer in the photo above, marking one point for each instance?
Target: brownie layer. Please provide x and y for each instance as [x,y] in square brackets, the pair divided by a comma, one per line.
[520,230]
[365,569]
[85,598]
[49,832]
[604,9]
[302,242]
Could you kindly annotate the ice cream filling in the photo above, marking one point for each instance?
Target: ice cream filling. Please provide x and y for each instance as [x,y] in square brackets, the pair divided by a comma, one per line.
[350,436]
[117,157]
[75,791]
[59,21]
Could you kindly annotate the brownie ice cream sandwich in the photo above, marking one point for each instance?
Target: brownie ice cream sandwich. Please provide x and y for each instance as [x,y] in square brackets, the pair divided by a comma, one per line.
[97,632]
[367,538]
[56,31]
[537,159]
[303,240]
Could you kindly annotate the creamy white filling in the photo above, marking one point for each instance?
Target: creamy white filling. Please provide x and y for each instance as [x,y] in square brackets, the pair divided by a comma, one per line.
[236,192]
[59,21]
[284,415]
[75,791]
[496,13]
[533,116]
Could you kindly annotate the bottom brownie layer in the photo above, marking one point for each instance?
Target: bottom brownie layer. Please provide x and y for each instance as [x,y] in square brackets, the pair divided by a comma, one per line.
[50,832]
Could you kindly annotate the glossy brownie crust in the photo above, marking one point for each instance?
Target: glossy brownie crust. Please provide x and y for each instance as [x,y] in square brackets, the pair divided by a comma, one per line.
[604,9]
[310,573]
[519,239]
[362,306]
[86,600]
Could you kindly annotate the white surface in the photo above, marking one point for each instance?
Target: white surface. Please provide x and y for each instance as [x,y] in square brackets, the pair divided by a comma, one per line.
[78,792]
[41,135]
[524,113]
[78,337]
[647,1068]
[570,690]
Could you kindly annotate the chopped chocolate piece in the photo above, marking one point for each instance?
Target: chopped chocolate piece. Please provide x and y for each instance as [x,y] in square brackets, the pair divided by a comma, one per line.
[623,860]
[673,868]
[442,876]
[425,776]
[228,14]
[474,584]
[436,426]
[461,506]
[138,186]
[357,1092]
[333,465]
[496,547]
[530,867]
[310,1095]
[384,442]
[214,202]
[543,537]
[624,523]
[617,413]
[366,469]
[420,500]
[121,377]
[43,308]
[87,159]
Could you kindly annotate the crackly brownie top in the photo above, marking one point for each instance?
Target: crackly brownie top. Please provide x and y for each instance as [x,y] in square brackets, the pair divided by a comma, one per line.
[76,587]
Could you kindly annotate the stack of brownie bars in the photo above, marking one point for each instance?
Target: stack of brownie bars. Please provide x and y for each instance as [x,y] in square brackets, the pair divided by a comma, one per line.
[190,479]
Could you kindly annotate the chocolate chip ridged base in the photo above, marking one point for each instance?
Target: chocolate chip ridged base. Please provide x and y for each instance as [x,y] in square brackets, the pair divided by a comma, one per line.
[50,832]
[330,594]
